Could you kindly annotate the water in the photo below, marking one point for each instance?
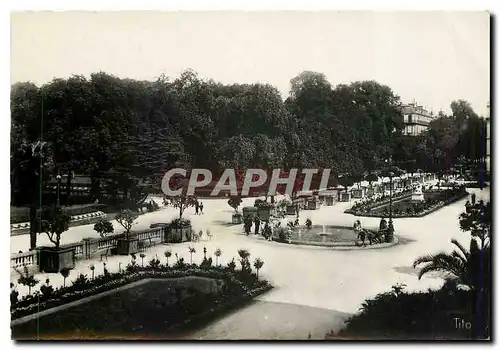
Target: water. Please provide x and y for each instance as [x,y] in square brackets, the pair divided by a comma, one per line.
[324,233]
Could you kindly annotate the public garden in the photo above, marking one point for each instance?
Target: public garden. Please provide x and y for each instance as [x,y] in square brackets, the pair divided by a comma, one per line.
[91,231]
[306,279]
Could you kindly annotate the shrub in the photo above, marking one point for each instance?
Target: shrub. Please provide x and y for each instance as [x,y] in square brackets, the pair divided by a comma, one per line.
[179,264]
[282,234]
[206,263]
[81,282]
[154,263]
[180,223]
[308,223]
[14,294]
[231,265]
[152,206]
[234,202]
[27,279]
[103,228]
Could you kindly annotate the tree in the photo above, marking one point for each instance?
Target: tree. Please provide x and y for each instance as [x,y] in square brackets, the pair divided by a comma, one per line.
[217,253]
[92,268]
[65,273]
[470,268]
[168,254]
[55,224]
[477,220]
[30,165]
[455,265]
[142,256]
[27,279]
[258,263]
[371,178]
[244,260]
[103,227]
[126,218]
[234,202]
[191,251]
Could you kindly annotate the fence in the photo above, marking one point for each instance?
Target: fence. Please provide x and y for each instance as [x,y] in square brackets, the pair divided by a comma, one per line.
[90,247]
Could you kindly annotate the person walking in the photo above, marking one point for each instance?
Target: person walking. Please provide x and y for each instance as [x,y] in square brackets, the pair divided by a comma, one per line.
[256,222]
[196,207]
[201,208]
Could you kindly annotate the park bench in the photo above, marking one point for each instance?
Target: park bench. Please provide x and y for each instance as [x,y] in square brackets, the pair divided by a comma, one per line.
[108,252]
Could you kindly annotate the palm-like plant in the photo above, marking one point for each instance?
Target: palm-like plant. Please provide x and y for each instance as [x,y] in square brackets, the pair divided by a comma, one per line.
[191,251]
[92,268]
[461,267]
[142,255]
[244,261]
[258,263]
[217,253]
[65,273]
[168,254]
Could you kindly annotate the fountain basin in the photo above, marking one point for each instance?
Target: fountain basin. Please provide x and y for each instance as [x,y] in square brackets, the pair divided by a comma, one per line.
[329,236]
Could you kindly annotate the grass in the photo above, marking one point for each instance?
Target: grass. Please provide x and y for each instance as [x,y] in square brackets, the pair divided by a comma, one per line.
[149,310]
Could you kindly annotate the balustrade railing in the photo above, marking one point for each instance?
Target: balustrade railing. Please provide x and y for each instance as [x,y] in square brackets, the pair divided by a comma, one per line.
[86,248]
[23,259]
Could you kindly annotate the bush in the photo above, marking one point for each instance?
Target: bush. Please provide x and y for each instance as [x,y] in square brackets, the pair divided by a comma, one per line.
[206,263]
[400,315]
[81,282]
[308,223]
[180,223]
[103,227]
[152,206]
[233,285]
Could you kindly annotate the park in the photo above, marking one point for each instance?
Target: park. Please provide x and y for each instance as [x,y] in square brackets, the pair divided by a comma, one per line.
[287,236]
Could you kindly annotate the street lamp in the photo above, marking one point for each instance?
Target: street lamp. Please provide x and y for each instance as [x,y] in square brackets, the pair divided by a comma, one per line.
[391,174]
[58,177]
[390,227]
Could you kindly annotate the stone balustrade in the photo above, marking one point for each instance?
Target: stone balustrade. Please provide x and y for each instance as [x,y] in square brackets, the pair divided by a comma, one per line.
[20,260]
[90,247]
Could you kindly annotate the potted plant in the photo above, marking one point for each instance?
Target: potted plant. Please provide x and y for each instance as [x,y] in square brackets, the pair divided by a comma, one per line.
[290,208]
[264,210]
[180,230]
[234,202]
[128,244]
[103,228]
[54,259]
[249,211]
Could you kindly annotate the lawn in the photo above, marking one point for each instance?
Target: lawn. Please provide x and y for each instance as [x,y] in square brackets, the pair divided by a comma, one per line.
[146,311]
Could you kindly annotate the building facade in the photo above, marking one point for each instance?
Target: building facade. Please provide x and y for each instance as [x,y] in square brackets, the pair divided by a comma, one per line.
[416,118]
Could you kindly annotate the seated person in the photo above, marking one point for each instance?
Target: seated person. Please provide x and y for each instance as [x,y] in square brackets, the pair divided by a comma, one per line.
[383,225]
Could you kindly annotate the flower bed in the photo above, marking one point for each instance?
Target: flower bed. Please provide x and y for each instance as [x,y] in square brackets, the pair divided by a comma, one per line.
[158,308]
[85,288]
[406,209]
[373,203]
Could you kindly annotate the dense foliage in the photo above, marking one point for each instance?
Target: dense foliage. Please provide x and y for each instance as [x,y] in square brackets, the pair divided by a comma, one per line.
[465,295]
[125,133]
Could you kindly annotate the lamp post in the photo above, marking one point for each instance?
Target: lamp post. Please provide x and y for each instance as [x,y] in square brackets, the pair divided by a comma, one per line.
[58,177]
[391,174]
[390,228]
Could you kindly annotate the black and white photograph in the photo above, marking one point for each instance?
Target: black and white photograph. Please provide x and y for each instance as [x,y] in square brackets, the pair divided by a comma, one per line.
[250,175]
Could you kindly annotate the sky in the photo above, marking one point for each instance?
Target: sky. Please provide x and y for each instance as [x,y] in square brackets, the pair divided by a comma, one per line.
[430,57]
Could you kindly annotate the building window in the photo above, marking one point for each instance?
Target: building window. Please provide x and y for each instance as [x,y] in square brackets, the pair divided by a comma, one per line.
[409,118]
